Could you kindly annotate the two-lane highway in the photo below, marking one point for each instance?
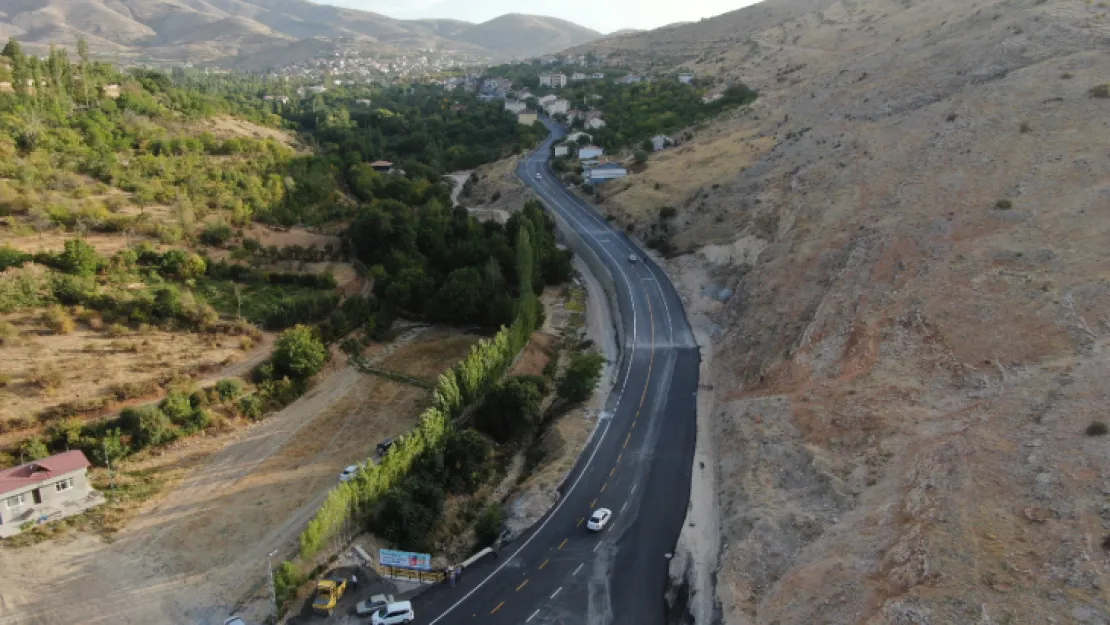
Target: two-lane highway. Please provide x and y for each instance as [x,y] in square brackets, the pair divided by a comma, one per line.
[637,464]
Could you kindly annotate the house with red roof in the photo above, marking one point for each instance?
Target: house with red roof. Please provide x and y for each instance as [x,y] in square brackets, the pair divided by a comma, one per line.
[45,490]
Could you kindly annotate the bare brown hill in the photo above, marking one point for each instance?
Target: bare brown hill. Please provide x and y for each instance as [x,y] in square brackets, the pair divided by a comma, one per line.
[228,30]
[899,257]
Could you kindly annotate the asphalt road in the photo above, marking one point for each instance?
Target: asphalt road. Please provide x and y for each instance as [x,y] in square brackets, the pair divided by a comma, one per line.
[637,464]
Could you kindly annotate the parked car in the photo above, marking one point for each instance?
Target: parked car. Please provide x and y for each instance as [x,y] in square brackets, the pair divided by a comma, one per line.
[385,446]
[633,258]
[599,519]
[394,614]
[348,474]
[373,604]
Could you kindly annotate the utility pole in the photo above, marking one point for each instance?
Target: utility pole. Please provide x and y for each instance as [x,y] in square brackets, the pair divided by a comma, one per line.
[273,590]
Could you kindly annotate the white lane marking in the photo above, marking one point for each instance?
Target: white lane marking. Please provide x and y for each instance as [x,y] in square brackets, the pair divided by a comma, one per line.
[633,489]
[623,505]
[533,616]
[597,546]
[556,592]
[577,569]
[581,474]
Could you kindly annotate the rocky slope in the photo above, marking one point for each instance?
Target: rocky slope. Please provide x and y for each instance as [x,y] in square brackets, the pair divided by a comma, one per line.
[900,255]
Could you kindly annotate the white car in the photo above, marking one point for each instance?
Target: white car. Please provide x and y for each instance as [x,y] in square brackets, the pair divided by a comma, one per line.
[633,258]
[599,519]
[539,177]
[348,474]
[394,614]
[373,604]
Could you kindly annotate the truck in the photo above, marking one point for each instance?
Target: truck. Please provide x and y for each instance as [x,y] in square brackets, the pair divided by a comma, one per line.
[328,593]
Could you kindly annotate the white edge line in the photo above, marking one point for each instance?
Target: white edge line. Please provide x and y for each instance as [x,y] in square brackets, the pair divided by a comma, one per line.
[556,592]
[622,507]
[577,569]
[589,460]
[633,489]
[532,617]
[597,546]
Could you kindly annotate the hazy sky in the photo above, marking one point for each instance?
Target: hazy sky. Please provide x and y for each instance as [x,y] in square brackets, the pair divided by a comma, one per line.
[601,15]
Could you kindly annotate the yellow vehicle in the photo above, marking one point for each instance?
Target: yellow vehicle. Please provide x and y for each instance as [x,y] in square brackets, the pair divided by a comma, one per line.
[328,593]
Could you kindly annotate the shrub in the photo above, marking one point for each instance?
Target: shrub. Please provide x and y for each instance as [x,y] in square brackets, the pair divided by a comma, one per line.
[147,425]
[176,406]
[250,406]
[1003,204]
[581,377]
[46,378]
[298,353]
[1100,91]
[229,388]
[216,234]
[33,448]
[58,320]
[1025,128]
[487,529]
[7,332]
[666,212]
[286,582]
[640,157]
[79,258]
[199,419]
[1097,428]
[1066,75]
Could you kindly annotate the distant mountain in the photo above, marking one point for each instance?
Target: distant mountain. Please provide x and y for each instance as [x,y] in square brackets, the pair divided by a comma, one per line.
[228,30]
[517,35]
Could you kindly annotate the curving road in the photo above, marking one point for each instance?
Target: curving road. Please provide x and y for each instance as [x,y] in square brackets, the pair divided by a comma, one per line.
[637,463]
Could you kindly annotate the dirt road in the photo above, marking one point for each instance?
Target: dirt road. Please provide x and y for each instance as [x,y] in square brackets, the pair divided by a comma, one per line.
[200,549]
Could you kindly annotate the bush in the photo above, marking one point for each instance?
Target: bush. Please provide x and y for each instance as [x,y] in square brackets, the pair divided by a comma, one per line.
[46,378]
[640,157]
[298,353]
[176,406]
[251,406]
[216,234]
[286,582]
[79,258]
[487,529]
[147,425]
[229,388]
[666,212]
[58,320]
[1097,428]
[1100,91]
[1003,204]
[1024,128]
[581,377]
[198,420]
[33,448]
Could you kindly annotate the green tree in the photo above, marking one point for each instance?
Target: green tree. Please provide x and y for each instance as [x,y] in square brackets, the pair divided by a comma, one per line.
[79,258]
[487,529]
[298,353]
[33,448]
[510,410]
[640,157]
[147,425]
[229,388]
[109,447]
[581,377]
[466,456]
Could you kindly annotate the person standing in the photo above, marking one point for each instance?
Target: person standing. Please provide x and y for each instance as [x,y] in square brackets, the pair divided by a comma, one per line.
[354,581]
[451,577]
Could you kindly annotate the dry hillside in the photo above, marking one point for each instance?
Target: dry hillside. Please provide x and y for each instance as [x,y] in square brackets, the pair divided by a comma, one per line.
[259,32]
[899,254]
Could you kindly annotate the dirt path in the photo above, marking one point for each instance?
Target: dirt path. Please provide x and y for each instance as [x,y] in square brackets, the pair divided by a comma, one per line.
[210,535]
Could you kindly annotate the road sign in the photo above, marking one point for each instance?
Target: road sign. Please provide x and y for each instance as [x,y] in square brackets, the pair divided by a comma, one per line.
[405,559]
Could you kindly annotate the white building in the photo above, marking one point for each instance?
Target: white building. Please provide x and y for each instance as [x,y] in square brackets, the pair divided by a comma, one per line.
[686,78]
[590,151]
[515,107]
[576,76]
[547,99]
[556,80]
[46,489]
[604,173]
[661,142]
[317,89]
[575,136]
[594,123]
[557,106]
[562,149]
[599,75]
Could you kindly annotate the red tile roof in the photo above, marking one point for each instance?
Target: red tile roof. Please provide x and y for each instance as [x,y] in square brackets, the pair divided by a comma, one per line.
[43,470]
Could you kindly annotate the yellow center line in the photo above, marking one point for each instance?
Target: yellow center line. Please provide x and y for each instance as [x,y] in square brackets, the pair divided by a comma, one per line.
[563,544]
[593,503]
[603,486]
[626,438]
[499,606]
[544,564]
[580,519]
[633,424]
[522,585]
[619,456]
[611,472]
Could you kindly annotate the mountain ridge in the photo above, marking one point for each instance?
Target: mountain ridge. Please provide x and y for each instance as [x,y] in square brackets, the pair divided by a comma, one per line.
[222,31]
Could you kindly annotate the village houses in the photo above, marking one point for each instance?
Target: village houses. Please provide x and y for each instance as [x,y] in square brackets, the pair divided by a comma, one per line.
[590,151]
[556,107]
[562,149]
[577,76]
[604,172]
[515,107]
[555,81]
[527,118]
